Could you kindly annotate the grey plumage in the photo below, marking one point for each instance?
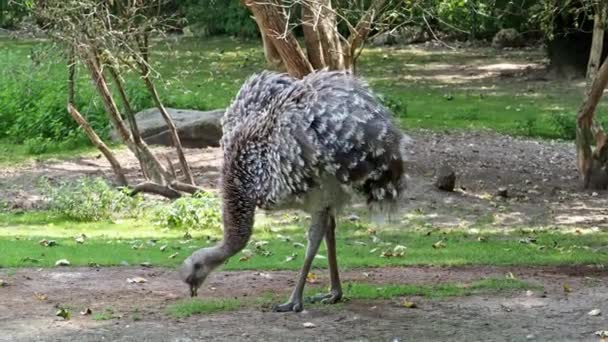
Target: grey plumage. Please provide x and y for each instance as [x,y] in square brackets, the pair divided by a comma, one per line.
[284,136]
[308,144]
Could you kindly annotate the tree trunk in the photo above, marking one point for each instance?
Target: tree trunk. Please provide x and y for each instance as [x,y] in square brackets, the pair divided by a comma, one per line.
[272,23]
[592,165]
[585,130]
[330,40]
[86,127]
[597,44]
[170,124]
[270,51]
[314,49]
[97,142]
[114,114]
[150,165]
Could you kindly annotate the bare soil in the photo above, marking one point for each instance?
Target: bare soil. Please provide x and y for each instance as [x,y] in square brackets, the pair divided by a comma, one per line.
[140,310]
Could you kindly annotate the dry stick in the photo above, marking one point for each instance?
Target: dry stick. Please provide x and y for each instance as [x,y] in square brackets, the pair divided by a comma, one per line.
[361,32]
[132,123]
[86,127]
[145,72]
[584,122]
[272,23]
[157,189]
[97,142]
[192,189]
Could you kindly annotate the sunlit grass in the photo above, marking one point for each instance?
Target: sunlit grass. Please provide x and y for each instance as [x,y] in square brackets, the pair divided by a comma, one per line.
[278,243]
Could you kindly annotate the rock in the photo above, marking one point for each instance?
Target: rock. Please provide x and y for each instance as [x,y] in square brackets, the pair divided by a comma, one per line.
[446,178]
[507,38]
[196,129]
[502,192]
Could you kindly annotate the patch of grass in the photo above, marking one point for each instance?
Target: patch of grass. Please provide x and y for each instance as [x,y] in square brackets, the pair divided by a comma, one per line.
[281,247]
[189,307]
[105,315]
[484,286]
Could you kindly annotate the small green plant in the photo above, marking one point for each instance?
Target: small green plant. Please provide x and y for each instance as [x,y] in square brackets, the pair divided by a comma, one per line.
[91,200]
[527,127]
[191,307]
[396,105]
[565,125]
[105,315]
[201,211]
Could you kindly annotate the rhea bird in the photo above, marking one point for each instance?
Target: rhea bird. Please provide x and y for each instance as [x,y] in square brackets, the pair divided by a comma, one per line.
[310,144]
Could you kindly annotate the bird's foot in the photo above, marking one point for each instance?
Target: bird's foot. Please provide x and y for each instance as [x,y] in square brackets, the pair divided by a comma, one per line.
[326,298]
[295,306]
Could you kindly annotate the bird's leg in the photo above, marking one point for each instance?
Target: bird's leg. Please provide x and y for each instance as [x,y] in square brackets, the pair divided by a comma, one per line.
[335,293]
[315,235]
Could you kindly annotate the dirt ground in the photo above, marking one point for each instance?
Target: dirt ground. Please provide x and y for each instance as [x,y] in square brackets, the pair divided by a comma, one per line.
[140,309]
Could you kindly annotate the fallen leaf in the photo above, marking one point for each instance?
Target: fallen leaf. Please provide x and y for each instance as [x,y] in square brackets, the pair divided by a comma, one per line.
[399,248]
[319,256]
[172,256]
[510,275]
[80,238]
[567,288]
[375,239]
[595,312]
[371,231]
[602,333]
[136,280]
[62,262]
[47,243]
[297,244]
[311,278]
[63,313]
[308,325]
[373,250]
[247,254]
[145,264]
[163,247]
[439,244]
[259,244]
[291,257]
[409,304]
[3,283]
[482,239]
[40,296]
[86,312]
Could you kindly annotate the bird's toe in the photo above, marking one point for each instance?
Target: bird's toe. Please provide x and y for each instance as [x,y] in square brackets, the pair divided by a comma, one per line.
[288,307]
[326,298]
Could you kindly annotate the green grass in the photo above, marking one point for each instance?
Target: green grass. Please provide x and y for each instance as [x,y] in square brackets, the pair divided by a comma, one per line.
[355,291]
[189,307]
[422,86]
[484,286]
[277,244]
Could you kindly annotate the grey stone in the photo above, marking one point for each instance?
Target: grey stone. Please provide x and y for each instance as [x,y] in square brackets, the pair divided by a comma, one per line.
[196,129]
[446,178]
[507,38]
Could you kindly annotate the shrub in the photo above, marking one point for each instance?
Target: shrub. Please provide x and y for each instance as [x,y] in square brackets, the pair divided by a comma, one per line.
[201,211]
[91,200]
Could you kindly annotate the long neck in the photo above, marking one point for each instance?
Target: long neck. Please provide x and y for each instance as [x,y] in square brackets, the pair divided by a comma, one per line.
[238,215]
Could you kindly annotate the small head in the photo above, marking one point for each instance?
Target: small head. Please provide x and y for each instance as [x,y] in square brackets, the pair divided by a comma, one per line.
[197,267]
